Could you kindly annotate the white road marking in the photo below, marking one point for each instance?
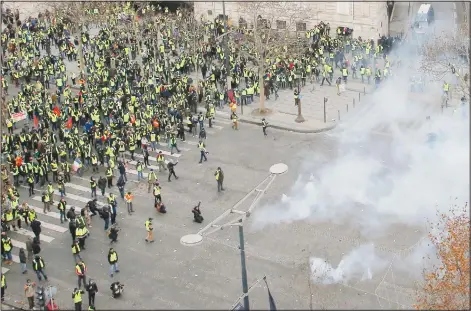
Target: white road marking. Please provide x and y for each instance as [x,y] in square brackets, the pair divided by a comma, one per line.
[28,233]
[40,210]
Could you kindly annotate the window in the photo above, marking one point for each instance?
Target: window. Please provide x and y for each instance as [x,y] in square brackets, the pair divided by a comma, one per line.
[300,26]
[280,24]
[210,12]
[262,23]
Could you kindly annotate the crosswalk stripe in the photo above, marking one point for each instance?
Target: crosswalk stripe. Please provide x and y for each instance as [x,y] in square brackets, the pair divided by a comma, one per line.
[190,142]
[40,210]
[53,227]
[15,258]
[134,172]
[77,197]
[18,244]
[42,237]
[167,153]
[218,127]
[77,187]
[5,270]
[155,168]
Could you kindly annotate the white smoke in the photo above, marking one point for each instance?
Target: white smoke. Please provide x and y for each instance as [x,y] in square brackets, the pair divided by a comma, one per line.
[361,263]
[376,181]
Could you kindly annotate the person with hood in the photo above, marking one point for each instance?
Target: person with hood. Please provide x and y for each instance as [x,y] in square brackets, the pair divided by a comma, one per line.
[92,289]
[36,227]
[22,257]
[36,247]
[113,234]
[102,185]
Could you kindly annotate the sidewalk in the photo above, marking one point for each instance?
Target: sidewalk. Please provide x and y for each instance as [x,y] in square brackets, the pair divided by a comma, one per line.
[283,112]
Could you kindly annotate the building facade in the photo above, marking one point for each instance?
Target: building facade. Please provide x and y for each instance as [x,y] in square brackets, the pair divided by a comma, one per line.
[367,19]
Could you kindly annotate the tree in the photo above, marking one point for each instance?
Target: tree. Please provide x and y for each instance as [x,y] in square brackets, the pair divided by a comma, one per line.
[447,286]
[447,55]
[271,33]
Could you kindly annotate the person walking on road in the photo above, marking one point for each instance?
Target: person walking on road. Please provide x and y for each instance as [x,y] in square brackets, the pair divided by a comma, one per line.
[113,261]
[219,179]
[29,293]
[161,161]
[150,231]
[39,266]
[203,152]
[36,227]
[93,186]
[151,179]
[102,185]
[81,272]
[128,198]
[92,289]
[264,127]
[76,251]
[77,297]
[171,170]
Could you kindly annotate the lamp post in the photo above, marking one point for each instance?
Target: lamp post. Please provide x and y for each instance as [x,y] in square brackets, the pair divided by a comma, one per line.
[259,191]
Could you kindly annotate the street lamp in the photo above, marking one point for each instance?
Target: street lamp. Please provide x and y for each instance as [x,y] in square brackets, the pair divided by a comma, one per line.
[259,191]
[299,118]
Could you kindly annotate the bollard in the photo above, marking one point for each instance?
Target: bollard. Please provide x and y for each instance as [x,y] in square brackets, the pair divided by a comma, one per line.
[338,112]
[347,107]
[364,90]
[353,102]
[359,96]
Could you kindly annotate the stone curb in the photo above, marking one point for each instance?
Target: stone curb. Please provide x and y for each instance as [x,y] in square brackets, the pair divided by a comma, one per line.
[285,128]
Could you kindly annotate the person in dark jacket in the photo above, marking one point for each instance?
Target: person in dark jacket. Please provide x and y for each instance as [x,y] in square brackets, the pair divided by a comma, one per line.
[72,228]
[122,171]
[102,185]
[121,183]
[36,246]
[171,169]
[36,227]
[92,289]
[71,213]
[22,256]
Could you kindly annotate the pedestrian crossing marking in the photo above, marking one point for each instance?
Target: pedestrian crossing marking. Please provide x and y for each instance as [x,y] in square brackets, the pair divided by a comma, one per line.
[40,210]
[18,244]
[53,227]
[5,270]
[28,233]
[134,172]
[167,153]
[155,168]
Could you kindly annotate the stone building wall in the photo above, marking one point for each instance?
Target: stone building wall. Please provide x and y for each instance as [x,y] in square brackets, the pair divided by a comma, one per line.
[367,19]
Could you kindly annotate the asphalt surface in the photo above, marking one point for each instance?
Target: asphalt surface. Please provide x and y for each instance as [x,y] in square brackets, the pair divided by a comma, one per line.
[166,274]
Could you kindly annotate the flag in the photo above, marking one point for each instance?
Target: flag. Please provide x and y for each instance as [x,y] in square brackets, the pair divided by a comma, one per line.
[56,111]
[69,123]
[271,301]
[35,121]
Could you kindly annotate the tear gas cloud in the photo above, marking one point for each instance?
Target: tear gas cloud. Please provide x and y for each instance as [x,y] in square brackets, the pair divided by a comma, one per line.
[373,182]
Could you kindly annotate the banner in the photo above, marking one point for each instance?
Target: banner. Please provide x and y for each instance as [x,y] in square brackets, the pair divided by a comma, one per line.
[18,116]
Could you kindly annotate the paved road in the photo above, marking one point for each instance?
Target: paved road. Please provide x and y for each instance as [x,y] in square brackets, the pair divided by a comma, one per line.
[169,275]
